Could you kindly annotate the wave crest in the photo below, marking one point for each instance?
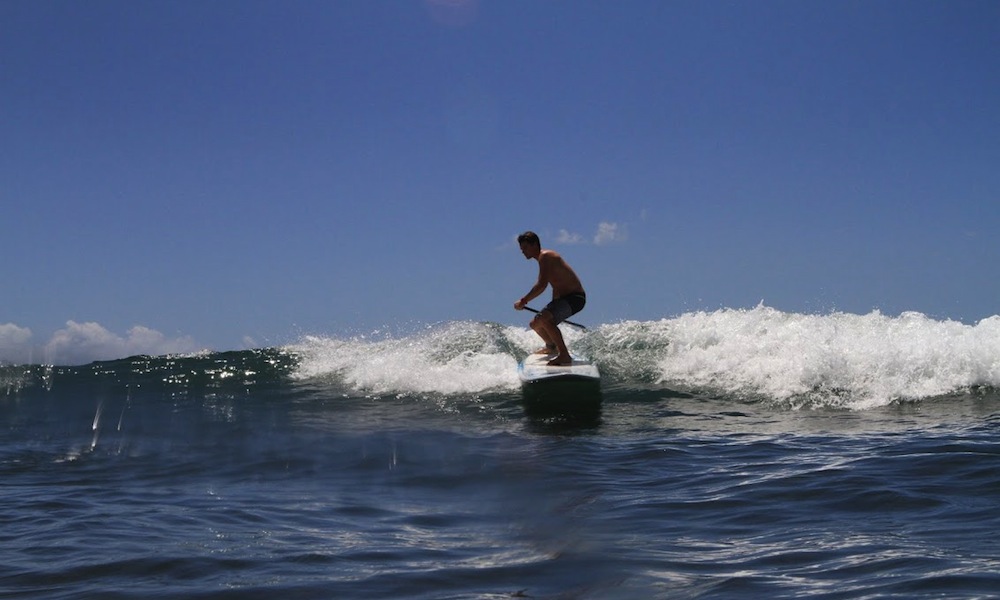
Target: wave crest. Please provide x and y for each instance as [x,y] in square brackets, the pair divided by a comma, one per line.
[838,359]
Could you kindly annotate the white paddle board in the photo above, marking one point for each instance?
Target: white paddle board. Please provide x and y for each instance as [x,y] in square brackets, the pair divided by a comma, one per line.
[534,369]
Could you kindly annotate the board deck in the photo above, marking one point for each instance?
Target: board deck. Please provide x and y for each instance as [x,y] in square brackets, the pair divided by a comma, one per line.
[533,369]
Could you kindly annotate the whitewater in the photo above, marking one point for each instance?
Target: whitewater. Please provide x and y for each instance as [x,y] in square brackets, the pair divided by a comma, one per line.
[760,354]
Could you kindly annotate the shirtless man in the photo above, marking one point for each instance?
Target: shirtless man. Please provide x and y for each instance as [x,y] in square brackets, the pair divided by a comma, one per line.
[568,297]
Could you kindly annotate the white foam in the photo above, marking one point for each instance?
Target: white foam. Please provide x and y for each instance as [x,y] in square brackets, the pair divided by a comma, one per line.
[455,358]
[859,361]
[837,359]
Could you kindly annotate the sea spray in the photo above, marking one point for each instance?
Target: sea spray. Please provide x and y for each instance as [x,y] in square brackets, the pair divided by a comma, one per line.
[762,354]
[452,358]
[838,359]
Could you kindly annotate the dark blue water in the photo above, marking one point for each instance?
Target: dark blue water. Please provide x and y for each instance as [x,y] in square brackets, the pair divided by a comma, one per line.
[306,472]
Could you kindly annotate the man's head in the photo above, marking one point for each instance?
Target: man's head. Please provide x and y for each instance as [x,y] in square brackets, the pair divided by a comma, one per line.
[530,244]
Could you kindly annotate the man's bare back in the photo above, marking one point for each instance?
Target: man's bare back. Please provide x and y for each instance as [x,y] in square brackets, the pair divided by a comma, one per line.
[554,271]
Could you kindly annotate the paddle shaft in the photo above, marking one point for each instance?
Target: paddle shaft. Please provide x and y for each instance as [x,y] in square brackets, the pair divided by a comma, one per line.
[528,308]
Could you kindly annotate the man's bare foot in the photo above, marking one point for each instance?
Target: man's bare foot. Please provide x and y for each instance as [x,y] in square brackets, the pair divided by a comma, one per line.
[545,350]
[563,360]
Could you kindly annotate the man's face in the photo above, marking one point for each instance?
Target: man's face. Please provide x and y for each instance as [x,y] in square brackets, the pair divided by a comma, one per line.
[528,250]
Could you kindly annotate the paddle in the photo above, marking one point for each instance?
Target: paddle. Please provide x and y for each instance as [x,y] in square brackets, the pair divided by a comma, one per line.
[528,308]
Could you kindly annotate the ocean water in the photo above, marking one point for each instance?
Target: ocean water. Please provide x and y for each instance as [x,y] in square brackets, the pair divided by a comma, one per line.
[735,454]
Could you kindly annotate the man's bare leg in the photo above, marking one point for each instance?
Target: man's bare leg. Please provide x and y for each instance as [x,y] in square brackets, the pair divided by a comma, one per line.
[550,345]
[549,331]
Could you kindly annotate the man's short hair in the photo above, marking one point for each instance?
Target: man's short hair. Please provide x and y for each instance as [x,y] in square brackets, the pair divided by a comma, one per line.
[529,237]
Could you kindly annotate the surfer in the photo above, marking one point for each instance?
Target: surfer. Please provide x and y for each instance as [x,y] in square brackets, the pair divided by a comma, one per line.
[568,297]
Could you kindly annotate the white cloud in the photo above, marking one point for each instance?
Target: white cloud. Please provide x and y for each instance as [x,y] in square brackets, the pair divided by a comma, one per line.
[608,233]
[15,343]
[81,343]
[565,237]
[12,335]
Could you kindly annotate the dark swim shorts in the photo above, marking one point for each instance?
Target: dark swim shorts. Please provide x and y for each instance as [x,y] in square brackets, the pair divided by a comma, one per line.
[564,307]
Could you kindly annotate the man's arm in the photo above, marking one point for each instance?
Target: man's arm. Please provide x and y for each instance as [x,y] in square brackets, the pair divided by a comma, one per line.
[538,288]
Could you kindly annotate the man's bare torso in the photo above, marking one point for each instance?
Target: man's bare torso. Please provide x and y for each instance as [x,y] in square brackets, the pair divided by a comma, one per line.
[552,269]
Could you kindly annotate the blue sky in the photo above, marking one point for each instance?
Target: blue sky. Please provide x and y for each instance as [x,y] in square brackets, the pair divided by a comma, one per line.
[186,174]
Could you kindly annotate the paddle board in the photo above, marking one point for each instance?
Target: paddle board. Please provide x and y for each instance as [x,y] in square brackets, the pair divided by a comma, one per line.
[534,369]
